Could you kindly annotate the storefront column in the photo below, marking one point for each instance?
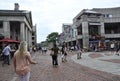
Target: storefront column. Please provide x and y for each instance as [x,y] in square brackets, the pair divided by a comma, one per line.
[102,29]
[6,28]
[22,31]
[30,37]
[26,30]
[85,34]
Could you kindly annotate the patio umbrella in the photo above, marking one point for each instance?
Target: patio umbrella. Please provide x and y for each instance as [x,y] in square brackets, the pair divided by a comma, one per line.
[9,40]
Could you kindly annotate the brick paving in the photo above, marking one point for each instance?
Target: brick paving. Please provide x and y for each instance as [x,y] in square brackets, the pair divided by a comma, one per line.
[68,71]
[95,55]
[113,60]
[6,72]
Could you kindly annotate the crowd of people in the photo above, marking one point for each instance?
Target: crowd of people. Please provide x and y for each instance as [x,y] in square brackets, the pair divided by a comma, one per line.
[22,56]
[104,46]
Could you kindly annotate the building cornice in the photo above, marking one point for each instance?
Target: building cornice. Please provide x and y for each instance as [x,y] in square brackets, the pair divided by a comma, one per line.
[25,13]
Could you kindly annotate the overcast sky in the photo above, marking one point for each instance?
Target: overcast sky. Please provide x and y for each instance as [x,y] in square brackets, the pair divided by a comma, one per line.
[49,15]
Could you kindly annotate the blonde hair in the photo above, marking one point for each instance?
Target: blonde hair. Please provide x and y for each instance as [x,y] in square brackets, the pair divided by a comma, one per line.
[22,48]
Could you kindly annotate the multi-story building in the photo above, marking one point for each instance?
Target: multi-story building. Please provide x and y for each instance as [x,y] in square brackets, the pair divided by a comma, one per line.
[66,34]
[97,24]
[16,24]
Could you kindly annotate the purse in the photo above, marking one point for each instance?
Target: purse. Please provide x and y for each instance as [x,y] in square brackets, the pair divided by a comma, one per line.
[52,53]
[23,71]
[65,54]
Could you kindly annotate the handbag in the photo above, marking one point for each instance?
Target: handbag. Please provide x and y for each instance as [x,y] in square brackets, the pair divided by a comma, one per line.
[23,71]
[52,53]
[65,54]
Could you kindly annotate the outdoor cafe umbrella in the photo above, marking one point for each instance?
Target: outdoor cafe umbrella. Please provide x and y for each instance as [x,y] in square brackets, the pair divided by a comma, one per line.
[8,40]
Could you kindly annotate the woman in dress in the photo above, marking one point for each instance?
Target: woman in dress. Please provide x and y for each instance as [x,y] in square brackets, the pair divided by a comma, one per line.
[22,61]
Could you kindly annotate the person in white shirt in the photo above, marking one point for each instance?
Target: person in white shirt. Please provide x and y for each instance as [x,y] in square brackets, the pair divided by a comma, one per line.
[65,54]
[79,51]
[112,46]
[31,50]
[6,51]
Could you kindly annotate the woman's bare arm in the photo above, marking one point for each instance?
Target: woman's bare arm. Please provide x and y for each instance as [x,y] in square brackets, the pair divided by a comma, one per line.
[30,59]
[14,62]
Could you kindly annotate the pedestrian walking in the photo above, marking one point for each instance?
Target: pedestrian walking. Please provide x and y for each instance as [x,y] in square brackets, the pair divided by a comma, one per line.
[22,60]
[55,50]
[31,50]
[64,53]
[40,49]
[34,49]
[79,51]
[112,46]
[117,48]
[45,50]
[62,50]
[117,51]
[6,53]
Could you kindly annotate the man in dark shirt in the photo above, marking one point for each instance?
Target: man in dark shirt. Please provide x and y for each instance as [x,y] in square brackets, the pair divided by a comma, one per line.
[54,57]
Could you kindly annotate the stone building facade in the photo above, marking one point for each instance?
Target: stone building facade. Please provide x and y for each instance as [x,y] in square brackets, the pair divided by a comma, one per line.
[97,25]
[17,24]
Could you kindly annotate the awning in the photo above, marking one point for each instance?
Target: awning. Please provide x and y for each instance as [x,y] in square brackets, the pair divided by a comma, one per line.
[9,40]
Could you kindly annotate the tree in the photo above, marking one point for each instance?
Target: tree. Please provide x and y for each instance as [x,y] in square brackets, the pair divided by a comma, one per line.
[52,37]
[42,43]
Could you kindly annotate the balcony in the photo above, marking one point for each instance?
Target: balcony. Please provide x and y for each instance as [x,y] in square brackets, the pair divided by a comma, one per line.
[112,35]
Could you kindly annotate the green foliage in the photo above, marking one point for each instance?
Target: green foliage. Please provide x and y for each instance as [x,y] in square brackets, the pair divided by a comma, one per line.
[43,43]
[52,37]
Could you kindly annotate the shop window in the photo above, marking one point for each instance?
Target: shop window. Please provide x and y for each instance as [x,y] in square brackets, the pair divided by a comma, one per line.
[33,33]
[33,38]
[108,16]
[1,24]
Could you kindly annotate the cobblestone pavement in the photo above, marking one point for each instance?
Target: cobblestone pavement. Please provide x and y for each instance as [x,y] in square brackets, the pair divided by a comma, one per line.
[67,71]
